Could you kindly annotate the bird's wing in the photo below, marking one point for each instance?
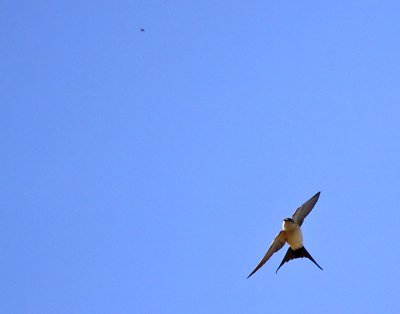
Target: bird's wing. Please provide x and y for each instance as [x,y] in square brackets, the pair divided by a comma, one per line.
[302,212]
[276,245]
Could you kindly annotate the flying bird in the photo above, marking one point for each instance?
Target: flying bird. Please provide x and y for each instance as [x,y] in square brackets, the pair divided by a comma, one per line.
[291,234]
[142,29]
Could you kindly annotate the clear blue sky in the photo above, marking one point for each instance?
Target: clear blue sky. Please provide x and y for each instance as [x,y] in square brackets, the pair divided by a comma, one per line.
[148,172]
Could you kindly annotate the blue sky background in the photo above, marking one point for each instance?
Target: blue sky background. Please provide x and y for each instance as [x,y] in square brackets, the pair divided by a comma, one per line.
[148,172]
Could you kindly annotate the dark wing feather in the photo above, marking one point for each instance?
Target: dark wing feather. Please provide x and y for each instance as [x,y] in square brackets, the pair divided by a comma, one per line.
[302,212]
[276,245]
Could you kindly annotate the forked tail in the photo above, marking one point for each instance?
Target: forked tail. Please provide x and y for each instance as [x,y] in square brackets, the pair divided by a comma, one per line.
[299,253]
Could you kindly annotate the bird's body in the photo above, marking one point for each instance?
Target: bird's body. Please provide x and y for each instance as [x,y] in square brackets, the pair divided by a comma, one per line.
[291,233]
[294,236]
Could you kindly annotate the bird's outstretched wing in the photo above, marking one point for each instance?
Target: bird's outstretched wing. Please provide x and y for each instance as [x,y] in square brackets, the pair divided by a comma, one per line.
[302,212]
[276,245]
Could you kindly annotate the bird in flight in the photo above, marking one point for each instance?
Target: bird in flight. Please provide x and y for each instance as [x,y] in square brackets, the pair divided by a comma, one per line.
[142,29]
[291,233]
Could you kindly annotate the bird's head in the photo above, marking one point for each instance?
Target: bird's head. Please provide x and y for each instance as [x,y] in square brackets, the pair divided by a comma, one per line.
[288,223]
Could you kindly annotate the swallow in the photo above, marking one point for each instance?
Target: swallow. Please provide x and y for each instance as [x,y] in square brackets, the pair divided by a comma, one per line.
[291,234]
